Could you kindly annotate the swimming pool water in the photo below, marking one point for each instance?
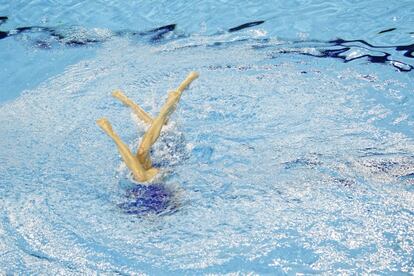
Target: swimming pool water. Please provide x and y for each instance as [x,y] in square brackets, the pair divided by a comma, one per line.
[288,155]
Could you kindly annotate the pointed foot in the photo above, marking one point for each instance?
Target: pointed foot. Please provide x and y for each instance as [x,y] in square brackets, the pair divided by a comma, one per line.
[193,75]
[117,94]
[104,124]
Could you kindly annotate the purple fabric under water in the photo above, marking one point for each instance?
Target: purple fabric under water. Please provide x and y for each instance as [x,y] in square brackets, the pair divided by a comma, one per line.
[142,199]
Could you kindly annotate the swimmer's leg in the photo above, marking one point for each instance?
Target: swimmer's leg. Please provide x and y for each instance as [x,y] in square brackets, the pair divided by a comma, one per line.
[154,131]
[144,116]
[188,80]
[175,96]
[140,174]
[150,137]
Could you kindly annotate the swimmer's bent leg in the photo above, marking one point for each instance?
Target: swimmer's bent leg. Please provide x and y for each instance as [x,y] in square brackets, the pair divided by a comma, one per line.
[140,174]
[154,131]
[152,134]
[144,116]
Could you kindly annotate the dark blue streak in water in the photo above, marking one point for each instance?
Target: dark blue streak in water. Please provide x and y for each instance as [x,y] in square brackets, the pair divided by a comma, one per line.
[3,19]
[387,30]
[385,58]
[246,25]
[344,46]
[158,33]
[3,34]
[408,49]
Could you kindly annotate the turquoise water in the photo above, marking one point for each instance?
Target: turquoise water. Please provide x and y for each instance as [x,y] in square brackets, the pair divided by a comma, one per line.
[292,153]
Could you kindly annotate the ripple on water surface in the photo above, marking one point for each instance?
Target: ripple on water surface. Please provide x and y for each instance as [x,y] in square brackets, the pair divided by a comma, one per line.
[279,165]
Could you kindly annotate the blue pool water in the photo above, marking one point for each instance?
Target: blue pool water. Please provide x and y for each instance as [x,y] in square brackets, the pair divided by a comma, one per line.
[293,153]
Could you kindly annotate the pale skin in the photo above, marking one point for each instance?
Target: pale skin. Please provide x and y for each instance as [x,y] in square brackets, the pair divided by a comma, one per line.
[140,163]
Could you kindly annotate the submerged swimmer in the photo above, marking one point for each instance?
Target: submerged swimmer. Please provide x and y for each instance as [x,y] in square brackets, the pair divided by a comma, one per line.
[140,163]
[155,198]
